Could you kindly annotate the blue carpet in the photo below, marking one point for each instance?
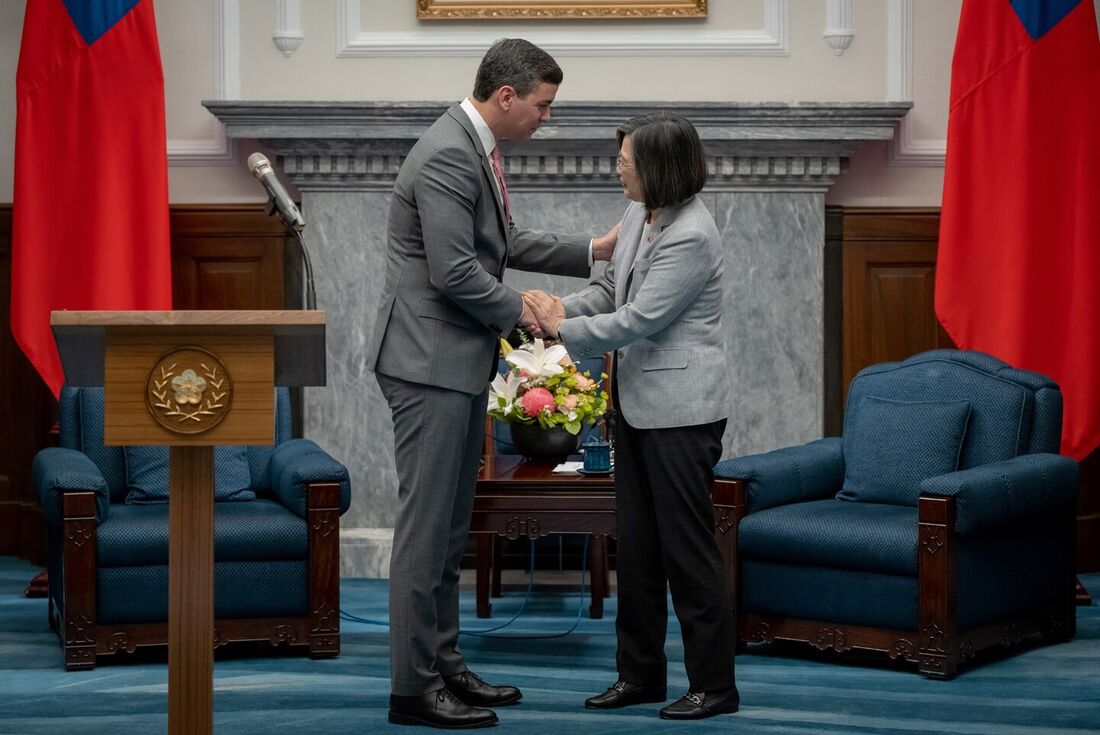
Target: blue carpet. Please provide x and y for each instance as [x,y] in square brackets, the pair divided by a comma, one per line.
[1042,690]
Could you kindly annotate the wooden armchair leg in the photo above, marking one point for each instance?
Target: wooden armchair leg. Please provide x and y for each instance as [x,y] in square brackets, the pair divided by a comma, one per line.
[323,517]
[79,580]
[729,508]
[495,558]
[938,657]
[599,576]
[1065,629]
[483,558]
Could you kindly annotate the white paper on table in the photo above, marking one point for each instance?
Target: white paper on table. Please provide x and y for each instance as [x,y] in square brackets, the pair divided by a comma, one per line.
[568,468]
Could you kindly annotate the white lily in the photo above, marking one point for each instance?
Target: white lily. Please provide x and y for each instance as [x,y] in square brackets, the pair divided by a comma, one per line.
[504,387]
[539,362]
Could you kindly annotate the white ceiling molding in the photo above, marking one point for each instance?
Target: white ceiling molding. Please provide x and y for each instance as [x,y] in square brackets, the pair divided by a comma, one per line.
[904,149]
[838,25]
[288,34]
[771,40]
[218,150]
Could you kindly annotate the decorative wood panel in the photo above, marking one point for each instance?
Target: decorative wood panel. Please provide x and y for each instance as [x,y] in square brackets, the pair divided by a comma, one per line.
[29,411]
[889,269]
[1088,516]
[228,257]
[223,257]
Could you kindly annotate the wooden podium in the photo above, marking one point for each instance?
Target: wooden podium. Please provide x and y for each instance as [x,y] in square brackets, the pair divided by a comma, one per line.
[190,380]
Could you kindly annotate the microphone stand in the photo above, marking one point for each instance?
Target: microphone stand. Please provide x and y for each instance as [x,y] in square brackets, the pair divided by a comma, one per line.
[307,264]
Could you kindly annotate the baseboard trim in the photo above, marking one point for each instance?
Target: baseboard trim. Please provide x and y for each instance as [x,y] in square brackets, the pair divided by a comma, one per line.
[365,552]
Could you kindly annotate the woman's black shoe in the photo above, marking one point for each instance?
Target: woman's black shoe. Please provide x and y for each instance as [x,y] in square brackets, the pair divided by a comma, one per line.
[624,694]
[438,709]
[697,705]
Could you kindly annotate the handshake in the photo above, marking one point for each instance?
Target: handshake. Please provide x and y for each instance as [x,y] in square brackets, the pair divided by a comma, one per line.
[542,313]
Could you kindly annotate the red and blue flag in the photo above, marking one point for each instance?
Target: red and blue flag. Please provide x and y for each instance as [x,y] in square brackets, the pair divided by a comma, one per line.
[1018,271]
[90,222]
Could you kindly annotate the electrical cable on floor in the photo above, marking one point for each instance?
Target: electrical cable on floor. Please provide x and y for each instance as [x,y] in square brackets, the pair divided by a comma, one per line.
[488,632]
[345,615]
[530,585]
[526,599]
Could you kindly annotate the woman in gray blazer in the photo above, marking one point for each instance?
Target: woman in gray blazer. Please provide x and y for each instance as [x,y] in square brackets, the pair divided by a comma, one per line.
[658,306]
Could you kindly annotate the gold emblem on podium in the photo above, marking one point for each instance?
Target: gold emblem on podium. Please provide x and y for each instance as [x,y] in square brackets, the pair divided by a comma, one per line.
[188,391]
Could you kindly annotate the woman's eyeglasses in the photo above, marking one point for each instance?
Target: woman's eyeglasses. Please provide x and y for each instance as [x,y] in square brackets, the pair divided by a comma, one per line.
[621,164]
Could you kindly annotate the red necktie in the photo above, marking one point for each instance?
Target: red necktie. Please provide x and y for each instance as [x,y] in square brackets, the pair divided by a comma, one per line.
[499,171]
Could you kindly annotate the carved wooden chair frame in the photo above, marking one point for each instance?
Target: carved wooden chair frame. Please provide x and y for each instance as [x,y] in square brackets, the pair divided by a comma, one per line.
[937,647]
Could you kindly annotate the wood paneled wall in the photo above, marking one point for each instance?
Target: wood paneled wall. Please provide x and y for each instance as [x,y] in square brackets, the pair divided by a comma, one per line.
[27,412]
[889,273]
[227,257]
[223,257]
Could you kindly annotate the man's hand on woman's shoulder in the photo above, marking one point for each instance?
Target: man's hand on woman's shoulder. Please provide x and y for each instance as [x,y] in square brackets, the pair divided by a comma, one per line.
[604,246]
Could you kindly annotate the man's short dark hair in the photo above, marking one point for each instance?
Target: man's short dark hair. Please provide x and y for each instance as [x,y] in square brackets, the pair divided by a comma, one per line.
[668,156]
[515,63]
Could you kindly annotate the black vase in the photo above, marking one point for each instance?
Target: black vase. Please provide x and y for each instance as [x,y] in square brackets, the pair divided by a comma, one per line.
[535,442]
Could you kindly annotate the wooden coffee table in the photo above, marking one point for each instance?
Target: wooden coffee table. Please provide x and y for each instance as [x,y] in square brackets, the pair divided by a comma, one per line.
[523,498]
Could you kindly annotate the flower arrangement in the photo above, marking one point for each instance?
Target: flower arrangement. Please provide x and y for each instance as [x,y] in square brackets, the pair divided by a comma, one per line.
[545,387]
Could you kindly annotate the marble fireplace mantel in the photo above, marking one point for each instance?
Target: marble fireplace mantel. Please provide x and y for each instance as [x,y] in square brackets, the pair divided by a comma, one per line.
[770,165]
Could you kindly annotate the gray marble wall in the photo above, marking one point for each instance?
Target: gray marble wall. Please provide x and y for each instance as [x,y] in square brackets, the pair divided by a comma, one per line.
[770,165]
[774,246]
[349,416]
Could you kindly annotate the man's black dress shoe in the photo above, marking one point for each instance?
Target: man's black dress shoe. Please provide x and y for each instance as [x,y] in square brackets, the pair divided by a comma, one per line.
[624,694]
[697,705]
[472,689]
[438,709]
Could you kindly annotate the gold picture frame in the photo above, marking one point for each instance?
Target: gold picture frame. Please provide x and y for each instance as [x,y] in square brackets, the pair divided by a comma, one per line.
[557,9]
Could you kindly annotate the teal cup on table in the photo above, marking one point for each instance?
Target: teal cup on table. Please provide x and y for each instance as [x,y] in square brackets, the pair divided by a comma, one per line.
[597,455]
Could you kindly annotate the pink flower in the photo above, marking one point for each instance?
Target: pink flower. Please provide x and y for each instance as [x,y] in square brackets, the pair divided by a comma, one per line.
[535,400]
[568,403]
[583,384]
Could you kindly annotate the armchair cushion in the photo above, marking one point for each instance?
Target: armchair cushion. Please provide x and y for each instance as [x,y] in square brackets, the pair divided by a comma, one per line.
[56,470]
[297,463]
[1003,401]
[147,474]
[137,535]
[890,446]
[242,589]
[1023,488]
[847,596]
[793,474]
[872,537]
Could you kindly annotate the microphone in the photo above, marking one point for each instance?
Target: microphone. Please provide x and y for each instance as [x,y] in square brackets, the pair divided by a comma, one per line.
[279,201]
[288,210]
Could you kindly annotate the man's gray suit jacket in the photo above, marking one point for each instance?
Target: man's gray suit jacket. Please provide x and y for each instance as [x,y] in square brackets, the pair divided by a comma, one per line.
[660,304]
[443,305]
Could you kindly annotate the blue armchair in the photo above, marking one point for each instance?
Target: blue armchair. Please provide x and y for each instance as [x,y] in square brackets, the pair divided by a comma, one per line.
[942,523]
[276,538]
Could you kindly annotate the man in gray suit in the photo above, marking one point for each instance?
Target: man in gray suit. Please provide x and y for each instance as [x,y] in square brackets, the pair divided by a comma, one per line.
[443,311]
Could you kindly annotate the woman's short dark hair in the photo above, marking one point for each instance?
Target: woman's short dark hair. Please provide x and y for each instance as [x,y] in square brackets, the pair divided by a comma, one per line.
[668,156]
[516,63]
